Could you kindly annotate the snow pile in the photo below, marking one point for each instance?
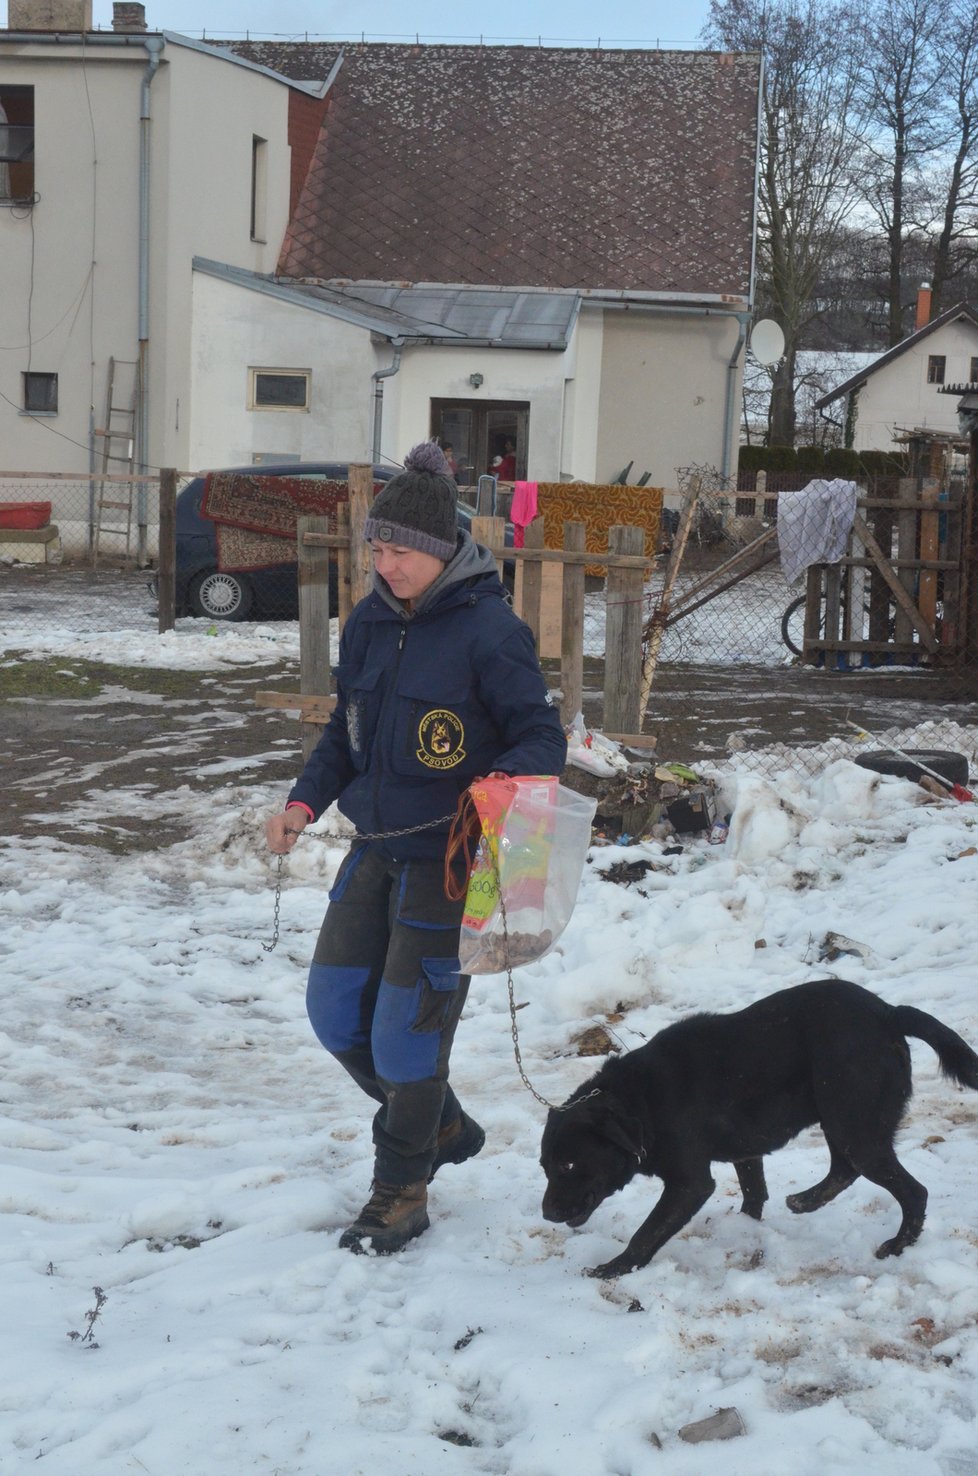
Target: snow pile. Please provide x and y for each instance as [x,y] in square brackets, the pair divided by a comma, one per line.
[173,1135]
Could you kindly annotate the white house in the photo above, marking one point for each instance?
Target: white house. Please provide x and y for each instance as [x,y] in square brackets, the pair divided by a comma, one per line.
[126,153]
[314,251]
[898,394]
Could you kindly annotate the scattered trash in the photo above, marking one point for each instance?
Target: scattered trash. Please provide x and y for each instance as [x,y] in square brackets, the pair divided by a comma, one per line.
[719,831]
[595,1041]
[726,1424]
[834,945]
[695,809]
[917,763]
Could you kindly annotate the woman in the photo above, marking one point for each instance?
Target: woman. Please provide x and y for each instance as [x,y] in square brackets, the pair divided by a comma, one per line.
[438,683]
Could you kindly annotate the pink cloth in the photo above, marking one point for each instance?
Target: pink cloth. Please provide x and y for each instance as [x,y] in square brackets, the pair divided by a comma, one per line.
[523,510]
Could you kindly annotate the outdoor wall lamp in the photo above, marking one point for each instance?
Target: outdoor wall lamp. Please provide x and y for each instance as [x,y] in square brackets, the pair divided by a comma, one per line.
[475,380]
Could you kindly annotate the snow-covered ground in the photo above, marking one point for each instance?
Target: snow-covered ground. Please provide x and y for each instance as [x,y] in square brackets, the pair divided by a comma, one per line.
[173,1135]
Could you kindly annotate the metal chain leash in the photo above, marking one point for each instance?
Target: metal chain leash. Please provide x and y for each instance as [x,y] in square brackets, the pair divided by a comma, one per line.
[380,835]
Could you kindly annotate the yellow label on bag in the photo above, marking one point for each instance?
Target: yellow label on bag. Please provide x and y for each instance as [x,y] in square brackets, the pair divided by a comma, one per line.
[482,897]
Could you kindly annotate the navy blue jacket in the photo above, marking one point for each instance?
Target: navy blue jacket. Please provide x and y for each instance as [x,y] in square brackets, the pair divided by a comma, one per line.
[425,705]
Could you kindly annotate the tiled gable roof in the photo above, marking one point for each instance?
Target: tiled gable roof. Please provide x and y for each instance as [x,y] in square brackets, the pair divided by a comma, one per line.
[527,167]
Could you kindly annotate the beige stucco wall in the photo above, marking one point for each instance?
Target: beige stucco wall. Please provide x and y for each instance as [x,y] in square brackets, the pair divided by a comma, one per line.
[663,393]
[69,267]
[428,373]
[897,397]
[234,330]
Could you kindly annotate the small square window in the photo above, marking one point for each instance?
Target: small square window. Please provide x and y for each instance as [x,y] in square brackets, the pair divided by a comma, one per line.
[279,389]
[935,368]
[41,394]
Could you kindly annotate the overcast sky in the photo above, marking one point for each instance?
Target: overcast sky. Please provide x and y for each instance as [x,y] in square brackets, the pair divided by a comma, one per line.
[635,22]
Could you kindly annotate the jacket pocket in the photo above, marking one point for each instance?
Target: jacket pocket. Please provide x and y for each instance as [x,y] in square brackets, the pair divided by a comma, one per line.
[434,716]
[436,994]
[360,688]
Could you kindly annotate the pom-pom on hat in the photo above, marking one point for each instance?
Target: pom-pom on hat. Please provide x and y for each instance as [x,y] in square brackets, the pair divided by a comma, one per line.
[417,508]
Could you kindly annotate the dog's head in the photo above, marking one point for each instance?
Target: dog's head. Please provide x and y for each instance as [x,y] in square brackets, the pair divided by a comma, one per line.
[590,1149]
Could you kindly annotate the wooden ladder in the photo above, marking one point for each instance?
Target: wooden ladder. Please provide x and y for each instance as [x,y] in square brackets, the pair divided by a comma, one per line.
[113,514]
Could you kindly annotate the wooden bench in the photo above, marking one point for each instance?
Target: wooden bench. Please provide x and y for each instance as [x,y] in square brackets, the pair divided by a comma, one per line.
[31,545]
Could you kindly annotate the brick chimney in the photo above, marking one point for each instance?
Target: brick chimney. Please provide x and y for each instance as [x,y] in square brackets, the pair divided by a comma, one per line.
[923,306]
[49,15]
[128,17]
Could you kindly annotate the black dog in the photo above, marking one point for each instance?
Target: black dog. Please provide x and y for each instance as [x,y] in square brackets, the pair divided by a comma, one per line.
[731,1088]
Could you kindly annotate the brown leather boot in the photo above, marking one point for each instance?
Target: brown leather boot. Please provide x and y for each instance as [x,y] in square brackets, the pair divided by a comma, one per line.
[462,1139]
[393,1215]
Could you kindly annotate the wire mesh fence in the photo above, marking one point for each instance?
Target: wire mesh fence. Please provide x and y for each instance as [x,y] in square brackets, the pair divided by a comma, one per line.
[732,681]
[76,551]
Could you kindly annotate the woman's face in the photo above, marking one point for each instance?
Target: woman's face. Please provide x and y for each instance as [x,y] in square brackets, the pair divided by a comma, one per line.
[408,571]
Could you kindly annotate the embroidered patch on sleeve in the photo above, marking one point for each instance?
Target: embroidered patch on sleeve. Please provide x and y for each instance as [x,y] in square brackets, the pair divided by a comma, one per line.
[440,739]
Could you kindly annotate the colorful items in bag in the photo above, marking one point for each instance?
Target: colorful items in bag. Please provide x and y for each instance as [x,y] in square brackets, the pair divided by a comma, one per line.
[533,836]
[522,864]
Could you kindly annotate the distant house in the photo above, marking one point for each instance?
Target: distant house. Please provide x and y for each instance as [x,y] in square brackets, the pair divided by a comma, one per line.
[897,395]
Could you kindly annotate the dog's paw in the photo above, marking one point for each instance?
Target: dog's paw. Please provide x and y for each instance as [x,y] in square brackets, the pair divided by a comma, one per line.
[620,1266]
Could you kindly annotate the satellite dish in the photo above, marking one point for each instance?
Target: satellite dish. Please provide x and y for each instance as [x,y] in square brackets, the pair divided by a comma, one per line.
[767,341]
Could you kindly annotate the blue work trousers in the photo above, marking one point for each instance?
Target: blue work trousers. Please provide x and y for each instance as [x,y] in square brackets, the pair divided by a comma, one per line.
[385,995]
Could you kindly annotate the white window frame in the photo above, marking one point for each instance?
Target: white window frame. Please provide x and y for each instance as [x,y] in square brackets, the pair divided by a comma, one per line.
[255,404]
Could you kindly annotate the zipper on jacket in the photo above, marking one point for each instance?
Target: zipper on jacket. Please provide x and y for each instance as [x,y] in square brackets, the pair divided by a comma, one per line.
[379,754]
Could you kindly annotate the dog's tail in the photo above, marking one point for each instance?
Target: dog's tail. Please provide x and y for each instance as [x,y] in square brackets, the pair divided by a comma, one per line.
[957,1058]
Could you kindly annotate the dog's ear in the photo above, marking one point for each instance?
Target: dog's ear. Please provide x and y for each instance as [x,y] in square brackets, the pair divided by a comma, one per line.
[625,1132]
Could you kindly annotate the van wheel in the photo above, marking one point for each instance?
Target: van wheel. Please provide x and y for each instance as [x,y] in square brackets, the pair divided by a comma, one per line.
[951,766]
[216,595]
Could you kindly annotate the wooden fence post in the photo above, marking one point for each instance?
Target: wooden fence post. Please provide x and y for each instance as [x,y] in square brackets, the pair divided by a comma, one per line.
[314,659]
[623,636]
[344,556]
[533,579]
[166,563]
[491,533]
[572,628]
[361,483]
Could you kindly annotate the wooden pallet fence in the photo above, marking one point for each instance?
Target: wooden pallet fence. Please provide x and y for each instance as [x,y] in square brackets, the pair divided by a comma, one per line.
[550,585]
[895,596]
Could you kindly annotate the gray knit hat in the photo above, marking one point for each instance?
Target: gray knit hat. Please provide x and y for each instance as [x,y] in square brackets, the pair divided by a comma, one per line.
[417,508]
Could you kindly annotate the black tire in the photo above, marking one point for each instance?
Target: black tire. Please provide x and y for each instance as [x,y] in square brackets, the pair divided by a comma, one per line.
[950,766]
[792,629]
[216,595]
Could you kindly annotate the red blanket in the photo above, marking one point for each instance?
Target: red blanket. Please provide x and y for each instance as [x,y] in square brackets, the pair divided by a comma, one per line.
[257,517]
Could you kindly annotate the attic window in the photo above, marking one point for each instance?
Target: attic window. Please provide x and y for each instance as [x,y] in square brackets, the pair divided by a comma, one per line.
[16,145]
[279,389]
[935,368]
[973,372]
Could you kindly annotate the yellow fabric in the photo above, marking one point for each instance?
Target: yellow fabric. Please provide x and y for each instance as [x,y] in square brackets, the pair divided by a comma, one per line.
[599,506]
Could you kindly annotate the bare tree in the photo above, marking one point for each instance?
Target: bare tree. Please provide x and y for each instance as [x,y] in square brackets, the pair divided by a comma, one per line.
[902,89]
[811,135]
[958,195]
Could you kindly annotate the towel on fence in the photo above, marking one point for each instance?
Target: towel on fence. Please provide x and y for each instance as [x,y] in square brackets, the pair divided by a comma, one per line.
[523,510]
[814,525]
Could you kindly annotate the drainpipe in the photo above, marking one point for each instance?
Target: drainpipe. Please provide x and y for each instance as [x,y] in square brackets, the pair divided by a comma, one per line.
[731,399]
[154,46]
[378,377]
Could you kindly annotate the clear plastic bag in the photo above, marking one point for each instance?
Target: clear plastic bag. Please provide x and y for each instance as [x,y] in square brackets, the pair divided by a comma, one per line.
[526,872]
